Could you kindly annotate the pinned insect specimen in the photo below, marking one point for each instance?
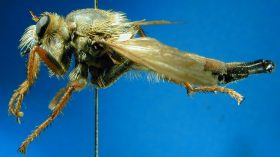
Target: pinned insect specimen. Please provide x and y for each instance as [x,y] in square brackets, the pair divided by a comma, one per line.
[105,46]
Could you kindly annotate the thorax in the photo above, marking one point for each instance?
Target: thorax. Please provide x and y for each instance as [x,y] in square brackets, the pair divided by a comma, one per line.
[93,25]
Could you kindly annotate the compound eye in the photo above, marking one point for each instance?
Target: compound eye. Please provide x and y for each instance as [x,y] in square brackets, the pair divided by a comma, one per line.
[42,25]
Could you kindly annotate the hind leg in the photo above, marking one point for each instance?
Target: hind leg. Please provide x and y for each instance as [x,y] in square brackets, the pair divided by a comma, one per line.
[238,97]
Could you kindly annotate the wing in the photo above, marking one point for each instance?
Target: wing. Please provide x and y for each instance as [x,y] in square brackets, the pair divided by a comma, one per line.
[173,64]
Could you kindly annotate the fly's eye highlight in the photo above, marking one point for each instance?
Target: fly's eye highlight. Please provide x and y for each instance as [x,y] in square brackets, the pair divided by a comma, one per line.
[42,25]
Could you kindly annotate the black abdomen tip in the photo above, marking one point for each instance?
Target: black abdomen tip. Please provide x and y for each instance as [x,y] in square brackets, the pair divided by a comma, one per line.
[259,66]
[268,65]
[237,71]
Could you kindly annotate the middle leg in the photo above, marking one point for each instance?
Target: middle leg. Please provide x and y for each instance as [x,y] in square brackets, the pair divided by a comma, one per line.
[108,77]
[71,87]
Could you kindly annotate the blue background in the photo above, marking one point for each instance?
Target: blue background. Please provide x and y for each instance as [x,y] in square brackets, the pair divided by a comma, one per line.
[139,118]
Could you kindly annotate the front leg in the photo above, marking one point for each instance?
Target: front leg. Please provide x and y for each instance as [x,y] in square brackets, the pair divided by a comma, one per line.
[17,98]
[33,65]
[57,67]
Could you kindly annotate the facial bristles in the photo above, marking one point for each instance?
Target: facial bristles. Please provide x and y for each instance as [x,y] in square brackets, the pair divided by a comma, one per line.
[28,40]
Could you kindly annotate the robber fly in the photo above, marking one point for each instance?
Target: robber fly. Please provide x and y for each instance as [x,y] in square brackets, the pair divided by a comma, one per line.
[105,45]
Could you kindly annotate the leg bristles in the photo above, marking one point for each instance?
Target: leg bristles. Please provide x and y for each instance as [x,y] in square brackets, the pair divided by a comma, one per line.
[57,110]
[238,97]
